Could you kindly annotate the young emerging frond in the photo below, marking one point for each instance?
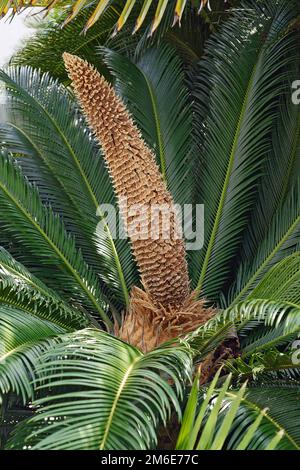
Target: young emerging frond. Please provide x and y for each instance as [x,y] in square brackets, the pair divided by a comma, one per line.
[210,420]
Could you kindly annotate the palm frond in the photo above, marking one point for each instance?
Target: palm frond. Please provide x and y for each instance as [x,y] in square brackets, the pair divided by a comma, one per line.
[210,425]
[113,383]
[63,160]
[250,56]
[209,336]
[267,365]
[262,324]
[37,54]
[262,337]
[282,282]
[281,240]
[154,91]
[24,291]
[42,235]
[283,404]
[282,170]
[23,338]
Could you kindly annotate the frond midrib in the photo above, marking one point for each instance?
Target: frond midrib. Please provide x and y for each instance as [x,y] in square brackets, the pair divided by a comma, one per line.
[45,161]
[59,253]
[115,402]
[226,181]
[254,406]
[260,269]
[162,157]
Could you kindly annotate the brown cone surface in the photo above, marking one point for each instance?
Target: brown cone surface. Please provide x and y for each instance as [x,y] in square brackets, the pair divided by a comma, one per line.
[136,177]
[147,326]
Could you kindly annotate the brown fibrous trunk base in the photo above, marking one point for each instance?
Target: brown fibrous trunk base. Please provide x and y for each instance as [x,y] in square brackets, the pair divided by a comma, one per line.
[148,325]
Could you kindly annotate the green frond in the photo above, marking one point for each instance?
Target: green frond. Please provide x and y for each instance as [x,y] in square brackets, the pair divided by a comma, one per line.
[36,52]
[189,40]
[282,169]
[62,158]
[23,339]
[282,402]
[209,336]
[257,338]
[42,236]
[212,418]
[24,291]
[12,270]
[281,240]
[262,324]
[267,365]
[281,285]
[246,61]
[153,88]
[114,384]
[282,282]
[272,312]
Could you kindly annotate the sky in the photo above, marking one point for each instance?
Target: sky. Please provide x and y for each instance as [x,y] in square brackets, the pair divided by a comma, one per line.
[12,35]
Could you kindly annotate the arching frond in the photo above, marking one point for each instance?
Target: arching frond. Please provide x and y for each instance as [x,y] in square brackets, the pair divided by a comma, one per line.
[261,323]
[23,338]
[282,282]
[42,235]
[281,173]
[24,291]
[212,418]
[248,59]
[283,404]
[114,384]
[281,240]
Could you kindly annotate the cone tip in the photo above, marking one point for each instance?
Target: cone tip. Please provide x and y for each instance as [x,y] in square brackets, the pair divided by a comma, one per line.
[66,56]
[69,59]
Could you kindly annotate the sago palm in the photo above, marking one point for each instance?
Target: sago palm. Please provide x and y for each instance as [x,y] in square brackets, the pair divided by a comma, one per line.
[228,138]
